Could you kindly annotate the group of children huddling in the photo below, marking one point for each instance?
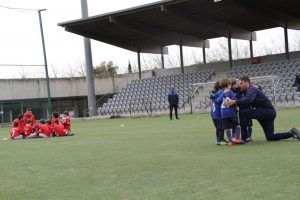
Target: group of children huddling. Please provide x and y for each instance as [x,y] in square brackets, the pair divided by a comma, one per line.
[225,118]
[25,126]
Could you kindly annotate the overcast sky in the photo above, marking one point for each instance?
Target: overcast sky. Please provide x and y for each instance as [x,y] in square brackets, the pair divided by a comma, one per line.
[20,41]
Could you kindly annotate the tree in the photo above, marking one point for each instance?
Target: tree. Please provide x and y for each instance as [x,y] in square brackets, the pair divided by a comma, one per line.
[105,69]
[129,68]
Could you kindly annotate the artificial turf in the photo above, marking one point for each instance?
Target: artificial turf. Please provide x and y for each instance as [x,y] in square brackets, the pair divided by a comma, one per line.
[151,159]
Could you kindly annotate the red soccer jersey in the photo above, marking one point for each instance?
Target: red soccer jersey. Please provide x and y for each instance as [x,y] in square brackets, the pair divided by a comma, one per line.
[45,129]
[28,130]
[29,117]
[54,119]
[20,124]
[14,132]
[59,130]
[67,123]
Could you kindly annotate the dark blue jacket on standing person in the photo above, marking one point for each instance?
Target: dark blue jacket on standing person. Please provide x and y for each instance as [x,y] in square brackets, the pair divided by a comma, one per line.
[254,98]
[215,109]
[173,98]
[227,112]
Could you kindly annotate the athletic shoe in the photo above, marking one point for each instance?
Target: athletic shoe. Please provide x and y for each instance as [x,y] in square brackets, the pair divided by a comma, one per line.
[223,140]
[218,143]
[230,143]
[239,141]
[223,143]
[296,133]
[249,139]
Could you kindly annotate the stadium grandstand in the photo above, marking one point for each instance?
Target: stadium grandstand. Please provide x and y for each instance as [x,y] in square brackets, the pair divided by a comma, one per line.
[151,28]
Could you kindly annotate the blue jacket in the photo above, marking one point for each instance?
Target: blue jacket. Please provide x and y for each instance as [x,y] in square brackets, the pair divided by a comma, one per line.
[227,112]
[254,98]
[215,109]
[173,98]
[239,95]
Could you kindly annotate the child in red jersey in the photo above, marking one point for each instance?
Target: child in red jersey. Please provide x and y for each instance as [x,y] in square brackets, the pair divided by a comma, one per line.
[15,132]
[19,119]
[29,116]
[55,116]
[48,122]
[67,121]
[44,130]
[29,131]
[59,129]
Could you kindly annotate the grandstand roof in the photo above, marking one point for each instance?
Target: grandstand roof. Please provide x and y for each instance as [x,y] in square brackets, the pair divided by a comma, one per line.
[169,22]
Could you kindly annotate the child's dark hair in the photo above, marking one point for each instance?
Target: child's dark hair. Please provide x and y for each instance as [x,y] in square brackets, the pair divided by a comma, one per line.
[28,109]
[225,82]
[42,121]
[28,121]
[217,86]
[16,124]
[55,114]
[20,116]
[56,122]
[48,122]
[66,113]
[233,81]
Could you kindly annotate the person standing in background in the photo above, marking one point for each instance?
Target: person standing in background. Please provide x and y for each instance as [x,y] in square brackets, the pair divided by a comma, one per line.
[173,102]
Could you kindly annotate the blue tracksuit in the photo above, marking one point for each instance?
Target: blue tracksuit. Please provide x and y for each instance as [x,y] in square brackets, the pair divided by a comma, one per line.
[261,109]
[173,98]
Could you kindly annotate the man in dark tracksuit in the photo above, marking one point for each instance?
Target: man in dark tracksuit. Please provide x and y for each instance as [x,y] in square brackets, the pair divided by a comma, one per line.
[173,102]
[261,109]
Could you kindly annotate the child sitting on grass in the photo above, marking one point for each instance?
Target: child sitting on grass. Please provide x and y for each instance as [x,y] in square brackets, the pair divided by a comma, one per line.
[67,121]
[44,130]
[59,129]
[29,131]
[16,132]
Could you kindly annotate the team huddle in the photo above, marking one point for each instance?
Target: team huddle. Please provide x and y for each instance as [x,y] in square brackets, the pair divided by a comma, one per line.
[26,127]
[235,105]
[225,118]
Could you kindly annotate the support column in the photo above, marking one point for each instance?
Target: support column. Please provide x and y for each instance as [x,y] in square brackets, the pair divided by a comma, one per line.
[286,41]
[230,50]
[139,63]
[204,53]
[162,57]
[45,63]
[2,115]
[181,57]
[21,106]
[89,67]
[251,48]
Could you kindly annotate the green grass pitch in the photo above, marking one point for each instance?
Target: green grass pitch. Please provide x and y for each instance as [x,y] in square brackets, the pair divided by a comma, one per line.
[151,159]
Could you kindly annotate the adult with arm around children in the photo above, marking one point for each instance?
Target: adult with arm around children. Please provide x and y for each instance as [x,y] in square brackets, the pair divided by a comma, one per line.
[261,109]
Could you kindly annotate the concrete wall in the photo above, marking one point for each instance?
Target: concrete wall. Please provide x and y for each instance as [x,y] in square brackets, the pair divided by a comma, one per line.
[18,89]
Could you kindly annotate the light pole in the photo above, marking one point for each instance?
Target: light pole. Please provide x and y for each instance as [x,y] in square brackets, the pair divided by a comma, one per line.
[46,66]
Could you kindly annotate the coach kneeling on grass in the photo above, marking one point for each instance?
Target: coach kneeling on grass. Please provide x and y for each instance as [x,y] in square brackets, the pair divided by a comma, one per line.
[261,109]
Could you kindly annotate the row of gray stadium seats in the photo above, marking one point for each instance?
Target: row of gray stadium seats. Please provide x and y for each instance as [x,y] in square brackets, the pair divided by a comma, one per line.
[151,93]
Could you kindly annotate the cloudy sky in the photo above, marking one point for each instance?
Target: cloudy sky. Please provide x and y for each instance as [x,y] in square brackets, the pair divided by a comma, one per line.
[20,41]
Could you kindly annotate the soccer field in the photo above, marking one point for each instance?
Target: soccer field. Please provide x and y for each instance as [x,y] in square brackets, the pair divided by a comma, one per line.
[151,159]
